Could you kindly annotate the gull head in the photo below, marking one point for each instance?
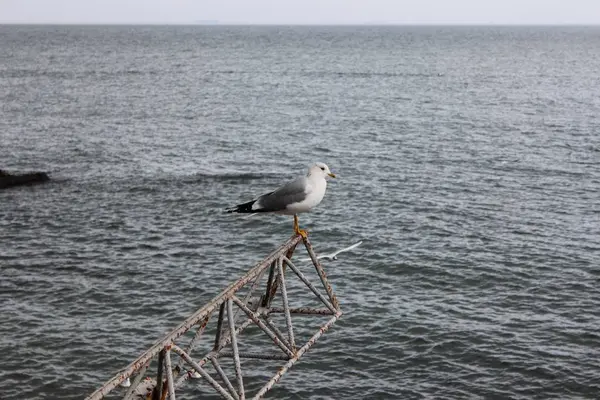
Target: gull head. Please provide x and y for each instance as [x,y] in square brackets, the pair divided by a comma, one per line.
[321,170]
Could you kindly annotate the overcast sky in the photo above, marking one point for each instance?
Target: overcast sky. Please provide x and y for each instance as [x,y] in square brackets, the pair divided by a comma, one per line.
[302,11]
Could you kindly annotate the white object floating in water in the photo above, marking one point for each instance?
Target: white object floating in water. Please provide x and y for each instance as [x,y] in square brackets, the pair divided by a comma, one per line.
[333,256]
[126,383]
[195,375]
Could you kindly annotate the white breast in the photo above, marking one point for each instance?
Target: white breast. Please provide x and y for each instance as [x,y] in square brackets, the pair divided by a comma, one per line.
[316,192]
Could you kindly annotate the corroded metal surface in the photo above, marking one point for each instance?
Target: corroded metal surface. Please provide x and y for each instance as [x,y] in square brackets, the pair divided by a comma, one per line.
[229,327]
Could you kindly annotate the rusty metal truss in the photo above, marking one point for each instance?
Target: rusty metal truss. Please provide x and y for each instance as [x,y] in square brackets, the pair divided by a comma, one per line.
[244,311]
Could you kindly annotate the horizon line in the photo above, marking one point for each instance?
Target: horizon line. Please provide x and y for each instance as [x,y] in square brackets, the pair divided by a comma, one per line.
[218,23]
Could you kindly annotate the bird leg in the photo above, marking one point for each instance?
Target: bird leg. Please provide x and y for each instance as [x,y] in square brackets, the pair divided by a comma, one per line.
[297,229]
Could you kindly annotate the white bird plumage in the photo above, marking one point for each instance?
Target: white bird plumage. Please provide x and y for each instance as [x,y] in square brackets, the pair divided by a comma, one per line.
[333,256]
[295,197]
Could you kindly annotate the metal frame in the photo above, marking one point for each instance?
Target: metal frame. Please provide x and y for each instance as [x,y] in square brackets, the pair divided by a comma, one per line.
[229,327]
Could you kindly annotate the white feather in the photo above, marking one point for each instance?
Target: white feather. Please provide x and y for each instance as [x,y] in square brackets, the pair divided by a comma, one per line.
[333,256]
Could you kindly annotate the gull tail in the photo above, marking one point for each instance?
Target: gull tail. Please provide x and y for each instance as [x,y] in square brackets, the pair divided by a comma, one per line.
[242,208]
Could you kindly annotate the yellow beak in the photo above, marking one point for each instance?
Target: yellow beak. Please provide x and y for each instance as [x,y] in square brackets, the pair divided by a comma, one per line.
[331,174]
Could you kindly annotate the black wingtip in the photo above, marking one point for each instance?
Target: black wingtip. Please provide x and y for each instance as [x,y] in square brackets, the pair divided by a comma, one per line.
[242,208]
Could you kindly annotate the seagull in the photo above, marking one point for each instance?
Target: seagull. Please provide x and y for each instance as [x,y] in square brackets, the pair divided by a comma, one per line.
[297,196]
[333,256]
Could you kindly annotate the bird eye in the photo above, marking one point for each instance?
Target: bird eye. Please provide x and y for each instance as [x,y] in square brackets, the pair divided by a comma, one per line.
[322,168]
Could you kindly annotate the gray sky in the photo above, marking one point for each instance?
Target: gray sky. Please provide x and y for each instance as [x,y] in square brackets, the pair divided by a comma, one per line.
[302,11]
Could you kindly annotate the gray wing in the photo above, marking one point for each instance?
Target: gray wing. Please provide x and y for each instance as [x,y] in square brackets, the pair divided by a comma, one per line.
[292,192]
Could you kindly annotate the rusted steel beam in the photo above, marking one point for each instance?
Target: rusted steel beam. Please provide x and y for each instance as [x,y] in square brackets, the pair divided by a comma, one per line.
[273,290]
[227,333]
[286,307]
[258,356]
[310,285]
[194,319]
[249,294]
[213,353]
[296,357]
[159,376]
[202,372]
[302,310]
[224,377]
[234,347]
[190,346]
[322,275]
[277,332]
[219,326]
[169,370]
[261,325]
[270,281]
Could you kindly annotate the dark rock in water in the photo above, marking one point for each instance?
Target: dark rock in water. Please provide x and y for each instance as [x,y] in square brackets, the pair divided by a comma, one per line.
[8,180]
